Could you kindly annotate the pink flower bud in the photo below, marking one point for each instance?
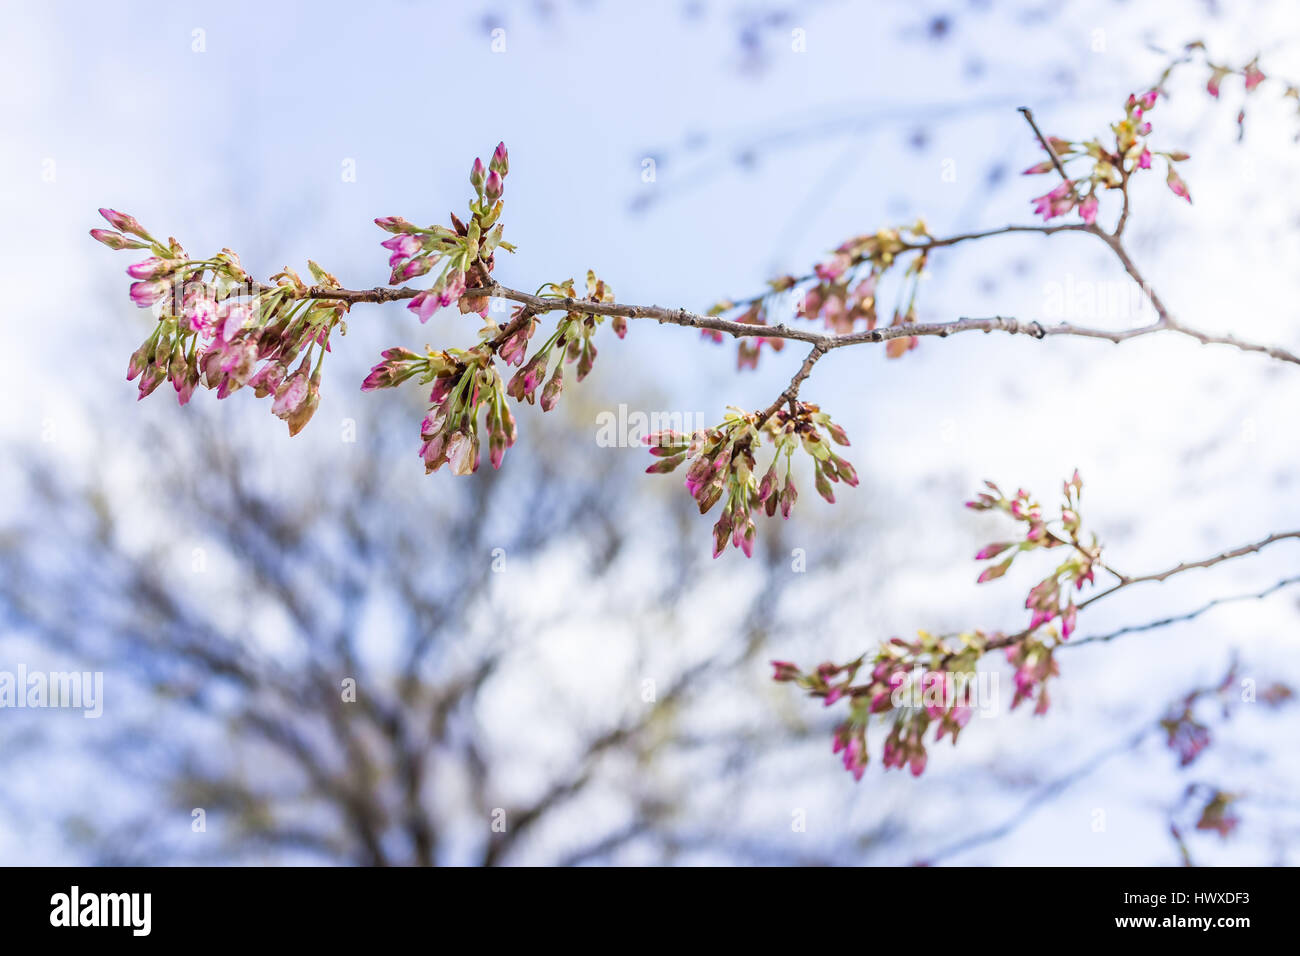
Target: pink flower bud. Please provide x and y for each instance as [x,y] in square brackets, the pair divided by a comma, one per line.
[1068,620]
[144,294]
[665,465]
[1088,210]
[184,382]
[452,289]
[139,360]
[115,240]
[402,246]
[124,223]
[231,317]
[300,416]
[416,267]
[151,268]
[721,533]
[994,572]
[151,378]
[500,160]
[789,495]
[845,471]
[476,175]
[291,393]
[1176,184]
[823,486]
[493,187]
[394,224]
[424,304]
[1216,78]
[267,379]
[551,393]
[784,671]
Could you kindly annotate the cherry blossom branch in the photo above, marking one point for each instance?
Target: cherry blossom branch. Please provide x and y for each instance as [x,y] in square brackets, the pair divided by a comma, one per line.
[215,327]
[827,342]
[929,243]
[1126,581]
[912,682]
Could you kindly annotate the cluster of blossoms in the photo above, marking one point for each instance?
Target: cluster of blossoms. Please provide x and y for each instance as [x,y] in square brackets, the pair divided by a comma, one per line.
[467,251]
[1110,167]
[911,685]
[466,381]
[1187,735]
[1032,658]
[1051,598]
[1251,73]
[937,662]
[722,461]
[841,292]
[215,326]
[1252,76]
[571,342]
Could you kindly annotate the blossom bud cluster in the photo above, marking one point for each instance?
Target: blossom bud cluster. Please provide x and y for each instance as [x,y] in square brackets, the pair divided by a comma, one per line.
[1110,167]
[464,383]
[1252,76]
[215,326]
[722,463]
[841,292]
[936,659]
[467,382]
[929,662]
[570,343]
[467,251]
[1051,598]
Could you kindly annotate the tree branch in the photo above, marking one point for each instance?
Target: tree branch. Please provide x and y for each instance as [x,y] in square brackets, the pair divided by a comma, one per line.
[1190,615]
[1056,160]
[1238,552]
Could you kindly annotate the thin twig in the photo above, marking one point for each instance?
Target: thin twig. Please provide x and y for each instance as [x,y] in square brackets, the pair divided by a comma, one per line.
[1190,615]
[1210,562]
[1056,160]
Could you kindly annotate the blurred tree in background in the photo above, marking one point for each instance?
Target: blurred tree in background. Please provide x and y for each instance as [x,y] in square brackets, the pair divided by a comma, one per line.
[306,652]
